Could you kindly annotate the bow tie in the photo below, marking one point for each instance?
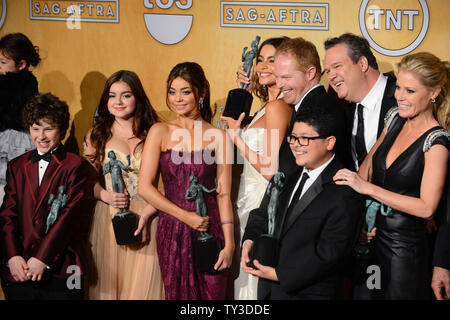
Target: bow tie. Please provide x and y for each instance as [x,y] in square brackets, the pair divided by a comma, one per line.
[35,156]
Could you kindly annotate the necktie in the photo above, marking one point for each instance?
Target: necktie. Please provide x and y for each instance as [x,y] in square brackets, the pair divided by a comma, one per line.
[360,144]
[35,157]
[298,192]
[291,124]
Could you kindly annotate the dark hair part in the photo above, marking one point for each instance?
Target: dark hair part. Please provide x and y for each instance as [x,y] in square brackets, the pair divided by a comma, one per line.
[260,91]
[46,106]
[304,52]
[18,47]
[321,118]
[193,73]
[357,47]
[143,118]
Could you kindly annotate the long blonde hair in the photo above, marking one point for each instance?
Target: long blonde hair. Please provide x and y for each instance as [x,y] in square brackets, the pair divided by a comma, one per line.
[432,73]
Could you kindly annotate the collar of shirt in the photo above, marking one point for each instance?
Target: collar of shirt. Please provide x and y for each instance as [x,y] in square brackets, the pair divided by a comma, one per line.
[300,102]
[372,99]
[371,114]
[313,175]
[42,165]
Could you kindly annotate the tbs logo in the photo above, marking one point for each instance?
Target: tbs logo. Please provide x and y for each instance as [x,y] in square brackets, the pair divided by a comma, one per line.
[168,28]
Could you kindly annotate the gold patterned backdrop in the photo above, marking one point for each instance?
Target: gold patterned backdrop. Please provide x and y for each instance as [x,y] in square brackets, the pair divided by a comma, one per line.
[78,56]
[83,42]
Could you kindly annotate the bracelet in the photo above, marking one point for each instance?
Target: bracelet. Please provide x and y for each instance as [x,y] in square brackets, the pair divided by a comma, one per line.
[227,222]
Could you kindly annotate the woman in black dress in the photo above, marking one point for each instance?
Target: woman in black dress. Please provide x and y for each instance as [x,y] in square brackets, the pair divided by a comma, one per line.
[405,172]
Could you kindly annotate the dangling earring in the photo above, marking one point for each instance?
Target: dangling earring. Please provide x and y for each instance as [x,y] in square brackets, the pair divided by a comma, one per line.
[264,87]
[433,100]
[200,103]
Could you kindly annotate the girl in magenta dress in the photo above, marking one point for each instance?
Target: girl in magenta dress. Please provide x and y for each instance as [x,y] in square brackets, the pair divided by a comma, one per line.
[179,148]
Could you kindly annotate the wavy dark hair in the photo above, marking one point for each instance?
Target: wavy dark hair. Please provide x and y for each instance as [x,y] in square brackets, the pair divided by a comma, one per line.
[193,73]
[47,107]
[260,91]
[18,47]
[143,118]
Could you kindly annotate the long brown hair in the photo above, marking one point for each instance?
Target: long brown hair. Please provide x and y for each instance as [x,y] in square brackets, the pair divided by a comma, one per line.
[193,73]
[143,118]
[260,91]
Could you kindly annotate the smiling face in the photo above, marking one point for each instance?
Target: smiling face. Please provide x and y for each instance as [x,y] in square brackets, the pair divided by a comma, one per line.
[45,135]
[344,76]
[292,82]
[316,153]
[265,65]
[182,99]
[413,98]
[9,65]
[121,101]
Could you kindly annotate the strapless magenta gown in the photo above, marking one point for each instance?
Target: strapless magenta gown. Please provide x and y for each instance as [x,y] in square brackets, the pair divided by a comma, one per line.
[182,280]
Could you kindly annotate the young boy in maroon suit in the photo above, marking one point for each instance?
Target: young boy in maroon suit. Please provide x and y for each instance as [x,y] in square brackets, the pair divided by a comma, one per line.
[42,218]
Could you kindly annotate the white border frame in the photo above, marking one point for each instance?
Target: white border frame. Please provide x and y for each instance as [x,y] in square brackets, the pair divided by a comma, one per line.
[276,4]
[395,52]
[3,17]
[117,20]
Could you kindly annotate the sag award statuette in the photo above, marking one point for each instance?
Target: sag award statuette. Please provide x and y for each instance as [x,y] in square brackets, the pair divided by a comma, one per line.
[363,257]
[206,247]
[240,100]
[124,222]
[57,203]
[266,248]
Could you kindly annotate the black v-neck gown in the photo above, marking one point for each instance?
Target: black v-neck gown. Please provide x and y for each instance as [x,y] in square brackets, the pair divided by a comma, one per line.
[400,247]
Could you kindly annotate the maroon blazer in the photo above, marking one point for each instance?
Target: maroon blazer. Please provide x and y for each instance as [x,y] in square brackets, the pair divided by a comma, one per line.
[24,211]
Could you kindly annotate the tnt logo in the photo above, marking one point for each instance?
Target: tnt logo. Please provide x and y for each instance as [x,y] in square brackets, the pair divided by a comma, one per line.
[394,28]
[2,12]
[168,28]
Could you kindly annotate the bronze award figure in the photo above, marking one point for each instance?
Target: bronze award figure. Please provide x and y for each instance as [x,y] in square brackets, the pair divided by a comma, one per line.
[240,100]
[57,203]
[207,246]
[124,222]
[266,247]
[363,256]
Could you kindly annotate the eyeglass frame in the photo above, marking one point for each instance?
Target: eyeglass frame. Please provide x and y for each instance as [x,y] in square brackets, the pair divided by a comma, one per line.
[297,139]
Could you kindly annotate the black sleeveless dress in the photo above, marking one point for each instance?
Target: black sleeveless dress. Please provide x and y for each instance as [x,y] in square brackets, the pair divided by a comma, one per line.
[400,247]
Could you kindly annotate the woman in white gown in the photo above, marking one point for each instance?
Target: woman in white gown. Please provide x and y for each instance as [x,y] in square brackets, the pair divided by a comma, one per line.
[258,143]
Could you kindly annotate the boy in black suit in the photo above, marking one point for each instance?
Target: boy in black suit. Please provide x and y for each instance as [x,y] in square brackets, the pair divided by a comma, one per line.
[318,226]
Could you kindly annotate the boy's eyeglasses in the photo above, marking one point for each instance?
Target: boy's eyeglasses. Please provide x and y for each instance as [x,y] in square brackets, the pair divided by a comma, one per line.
[303,141]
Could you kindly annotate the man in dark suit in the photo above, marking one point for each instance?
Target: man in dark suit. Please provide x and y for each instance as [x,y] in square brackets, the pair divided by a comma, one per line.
[43,232]
[317,221]
[440,282]
[297,71]
[353,73]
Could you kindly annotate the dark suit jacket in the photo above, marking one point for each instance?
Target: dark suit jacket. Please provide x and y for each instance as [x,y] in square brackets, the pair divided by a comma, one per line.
[25,208]
[387,103]
[314,242]
[286,160]
[441,256]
